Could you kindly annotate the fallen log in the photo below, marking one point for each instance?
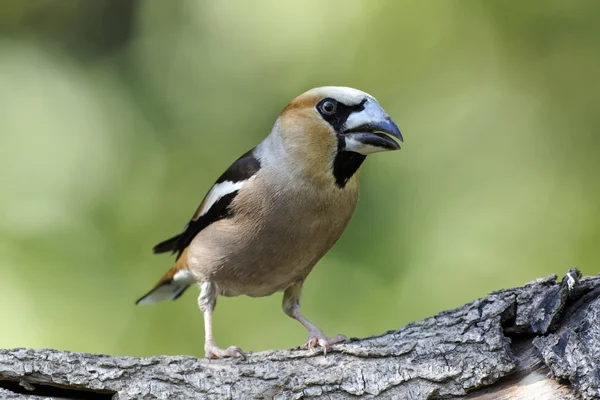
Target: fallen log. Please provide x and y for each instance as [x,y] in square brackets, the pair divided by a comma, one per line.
[541,340]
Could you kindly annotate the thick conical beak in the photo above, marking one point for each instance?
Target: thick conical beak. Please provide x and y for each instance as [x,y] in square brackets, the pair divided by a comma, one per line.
[368,131]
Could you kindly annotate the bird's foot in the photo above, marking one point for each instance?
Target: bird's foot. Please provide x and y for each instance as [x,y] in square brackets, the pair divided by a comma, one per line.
[317,338]
[211,350]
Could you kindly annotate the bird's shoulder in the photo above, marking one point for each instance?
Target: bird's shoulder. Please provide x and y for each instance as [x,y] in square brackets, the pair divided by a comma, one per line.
[216,205]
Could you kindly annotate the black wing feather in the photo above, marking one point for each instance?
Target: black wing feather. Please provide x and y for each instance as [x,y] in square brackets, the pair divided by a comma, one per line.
[242,169]
[167,245]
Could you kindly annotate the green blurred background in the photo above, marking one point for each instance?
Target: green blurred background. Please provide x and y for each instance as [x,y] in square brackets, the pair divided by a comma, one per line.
[116,116]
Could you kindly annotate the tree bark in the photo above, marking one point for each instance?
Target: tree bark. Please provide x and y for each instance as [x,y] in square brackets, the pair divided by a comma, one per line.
[541,340]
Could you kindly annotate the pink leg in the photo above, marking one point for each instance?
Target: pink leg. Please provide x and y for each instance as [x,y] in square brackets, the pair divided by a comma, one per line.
[207,302]
[291,306]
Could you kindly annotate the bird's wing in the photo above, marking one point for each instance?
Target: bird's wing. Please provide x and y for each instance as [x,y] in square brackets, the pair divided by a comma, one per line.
[215,205]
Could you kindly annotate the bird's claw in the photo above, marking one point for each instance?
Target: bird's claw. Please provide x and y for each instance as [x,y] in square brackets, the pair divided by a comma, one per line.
[318,339]
[211,350]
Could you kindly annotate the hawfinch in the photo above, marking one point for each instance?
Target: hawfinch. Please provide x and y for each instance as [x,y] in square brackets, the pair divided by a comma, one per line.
[279,208]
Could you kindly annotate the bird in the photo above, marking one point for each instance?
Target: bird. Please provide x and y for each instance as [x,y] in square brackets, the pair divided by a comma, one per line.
[278,209]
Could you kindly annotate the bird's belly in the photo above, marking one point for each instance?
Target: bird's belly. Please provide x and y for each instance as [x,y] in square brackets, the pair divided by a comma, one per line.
[273,257]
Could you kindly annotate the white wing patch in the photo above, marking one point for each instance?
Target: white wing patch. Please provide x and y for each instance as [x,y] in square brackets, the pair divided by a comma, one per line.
[218,191]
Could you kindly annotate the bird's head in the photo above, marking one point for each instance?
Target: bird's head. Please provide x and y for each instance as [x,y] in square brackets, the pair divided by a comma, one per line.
[328,131]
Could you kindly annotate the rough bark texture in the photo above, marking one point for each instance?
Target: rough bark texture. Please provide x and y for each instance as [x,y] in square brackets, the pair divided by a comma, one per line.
[541,340]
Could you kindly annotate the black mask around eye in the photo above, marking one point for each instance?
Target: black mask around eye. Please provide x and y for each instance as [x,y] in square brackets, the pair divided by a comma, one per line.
[336,113]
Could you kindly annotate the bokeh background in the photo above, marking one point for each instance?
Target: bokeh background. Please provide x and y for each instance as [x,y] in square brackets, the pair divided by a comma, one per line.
[116,116]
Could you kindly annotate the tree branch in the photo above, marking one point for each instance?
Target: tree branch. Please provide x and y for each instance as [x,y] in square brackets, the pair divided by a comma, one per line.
[541,340]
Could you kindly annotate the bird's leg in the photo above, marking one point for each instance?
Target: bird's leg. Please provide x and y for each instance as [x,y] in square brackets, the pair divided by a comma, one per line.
[207,302]
[291,306]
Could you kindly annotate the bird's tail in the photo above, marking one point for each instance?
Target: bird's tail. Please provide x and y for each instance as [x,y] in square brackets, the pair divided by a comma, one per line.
[170,286]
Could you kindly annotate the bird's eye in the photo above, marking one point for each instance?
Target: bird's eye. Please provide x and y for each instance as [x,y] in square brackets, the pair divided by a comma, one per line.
[328,107]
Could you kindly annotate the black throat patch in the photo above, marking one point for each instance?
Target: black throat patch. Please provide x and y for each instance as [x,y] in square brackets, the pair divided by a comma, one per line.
[345,165]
